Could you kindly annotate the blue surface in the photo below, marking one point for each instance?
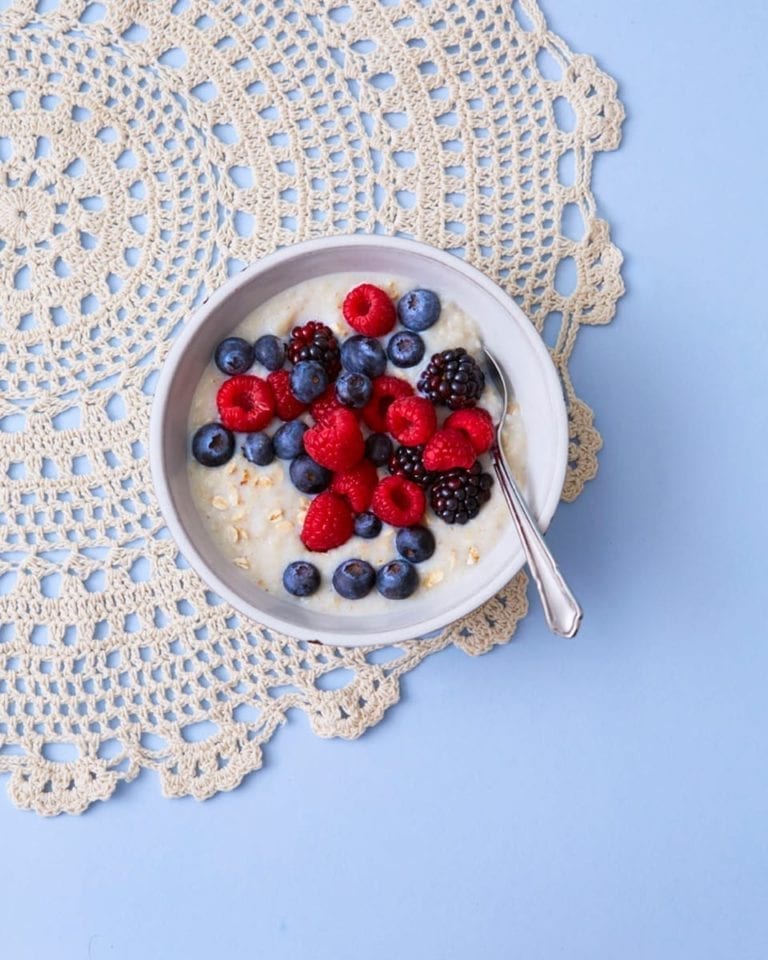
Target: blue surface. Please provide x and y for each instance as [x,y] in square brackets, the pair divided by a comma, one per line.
[588,800]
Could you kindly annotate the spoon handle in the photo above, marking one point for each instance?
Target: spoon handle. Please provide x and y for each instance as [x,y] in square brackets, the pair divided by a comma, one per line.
[561,610]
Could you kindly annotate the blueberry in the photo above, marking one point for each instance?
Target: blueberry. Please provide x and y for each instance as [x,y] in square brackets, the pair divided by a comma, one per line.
[397,579]
[289,440]
[259,449]
[354,579]
[308,476]
[353,389]
[212,445]
[405,348]
[418,309]
[308,380]
[367,525]
[415,543]
[363,355]
[269,350]
[378,449]
[234,355]
[301,578]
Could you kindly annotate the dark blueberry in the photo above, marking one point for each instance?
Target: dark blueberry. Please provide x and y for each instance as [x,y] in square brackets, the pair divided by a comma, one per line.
[353,390]
[308,476]
[354,579]
[308,380]
[367,525]
[301,578]
[378,448]
[259,449]
[418,309]
[415,543]
[397,579]
[234,355]
[269,350]
[405,348]
[213,445]
[289,440]
[363,355]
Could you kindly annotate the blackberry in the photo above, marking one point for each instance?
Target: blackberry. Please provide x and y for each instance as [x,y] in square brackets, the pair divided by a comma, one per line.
[452,378]
[315,341]
[409,462]
[457,495]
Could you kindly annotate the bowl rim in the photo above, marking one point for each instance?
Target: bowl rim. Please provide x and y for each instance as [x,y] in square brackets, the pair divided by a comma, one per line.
[218,297]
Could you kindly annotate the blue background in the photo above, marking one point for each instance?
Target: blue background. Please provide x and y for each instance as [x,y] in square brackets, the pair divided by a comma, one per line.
[594,799]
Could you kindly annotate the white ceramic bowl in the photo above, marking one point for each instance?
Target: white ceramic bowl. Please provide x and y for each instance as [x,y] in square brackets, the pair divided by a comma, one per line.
[506,331]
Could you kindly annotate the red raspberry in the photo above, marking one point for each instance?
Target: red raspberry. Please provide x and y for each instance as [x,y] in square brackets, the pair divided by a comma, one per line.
[448,449]
[385,391]
[287,406]
[357,485]
[411,420]
[369,310]
[245,403]
[326,404]
[477,424]
[336,444]
[398,501]
[328,523]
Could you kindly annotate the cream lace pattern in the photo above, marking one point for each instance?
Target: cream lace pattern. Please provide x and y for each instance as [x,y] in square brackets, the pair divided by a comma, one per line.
[147,152]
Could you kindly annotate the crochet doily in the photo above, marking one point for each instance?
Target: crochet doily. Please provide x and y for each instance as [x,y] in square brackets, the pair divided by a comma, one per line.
[147,152]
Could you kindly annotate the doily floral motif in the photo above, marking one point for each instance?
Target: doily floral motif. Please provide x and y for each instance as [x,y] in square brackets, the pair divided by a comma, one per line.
[148,151]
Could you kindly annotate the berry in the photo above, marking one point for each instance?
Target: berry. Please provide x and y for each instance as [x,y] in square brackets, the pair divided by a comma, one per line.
[411,420]
[301,578]
[354,389]
[315,341]
[363,355]
[259,449]
[308,476]
[212,445]
[357,485]
[415,543]
[289,440]
[378,448]
[448,449]
[477,424]
[245,403]
[336,443]
[458,495]
[233,355]
[354,579]
[367,525]
[453,379]
[405,349]
[398,501]
[408,462]
[385,391]
[328,523]
[308,380]
[418,309]
[326,404]
[397,579]
[286,405]
[269,350]
[369,310]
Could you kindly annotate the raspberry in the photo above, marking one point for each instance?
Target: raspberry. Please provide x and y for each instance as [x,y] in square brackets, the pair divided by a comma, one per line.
[286,405]
[328,523]
[245,403]
[458,495]
[357,485]
[385,391]
[315,341]
[411,420]
[326,404]
[453,379]
[336,444]
[448,449]
[398,501]
[409,462]
[369,310]
[477,424]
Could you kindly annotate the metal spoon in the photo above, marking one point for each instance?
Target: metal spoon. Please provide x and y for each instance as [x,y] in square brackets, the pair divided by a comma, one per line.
[561,610]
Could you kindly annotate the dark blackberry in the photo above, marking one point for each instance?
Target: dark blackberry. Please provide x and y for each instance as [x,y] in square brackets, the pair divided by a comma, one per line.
[457,495]
[452,378]
[409,462]
[315,341]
